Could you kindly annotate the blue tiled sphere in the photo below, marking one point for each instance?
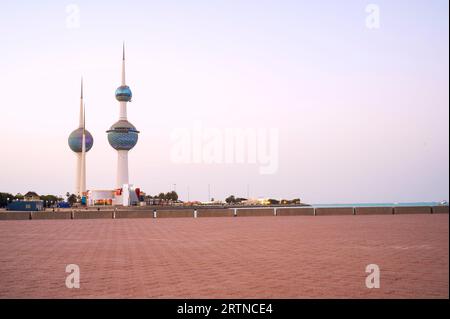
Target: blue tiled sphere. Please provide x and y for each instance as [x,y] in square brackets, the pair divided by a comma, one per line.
[123,94]
[76,139]
[122,135]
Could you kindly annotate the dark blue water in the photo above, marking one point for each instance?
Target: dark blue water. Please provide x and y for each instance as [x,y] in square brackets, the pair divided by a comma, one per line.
[379,204]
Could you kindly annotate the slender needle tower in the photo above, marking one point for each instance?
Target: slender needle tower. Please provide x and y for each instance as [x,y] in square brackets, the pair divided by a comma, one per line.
[122,135]
[80,142]
[83,155]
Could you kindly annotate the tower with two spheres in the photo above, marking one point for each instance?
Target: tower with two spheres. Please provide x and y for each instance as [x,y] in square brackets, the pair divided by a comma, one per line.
[122,136]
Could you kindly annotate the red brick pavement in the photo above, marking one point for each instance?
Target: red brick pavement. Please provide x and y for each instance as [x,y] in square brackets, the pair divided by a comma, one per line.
[263,257]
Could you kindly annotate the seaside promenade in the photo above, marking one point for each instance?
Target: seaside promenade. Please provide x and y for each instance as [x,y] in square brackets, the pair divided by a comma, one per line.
[251,257]
[111,212]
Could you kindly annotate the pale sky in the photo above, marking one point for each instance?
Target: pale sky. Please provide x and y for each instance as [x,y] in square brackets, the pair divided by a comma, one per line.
[362,114]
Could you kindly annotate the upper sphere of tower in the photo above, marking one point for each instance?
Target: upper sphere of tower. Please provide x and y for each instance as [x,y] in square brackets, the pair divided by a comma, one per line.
[123,93]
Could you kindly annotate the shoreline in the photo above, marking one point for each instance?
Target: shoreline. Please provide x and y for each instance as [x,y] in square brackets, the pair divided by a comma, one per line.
[202,212]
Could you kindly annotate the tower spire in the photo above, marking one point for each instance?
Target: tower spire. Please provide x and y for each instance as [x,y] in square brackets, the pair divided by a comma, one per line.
[81,105]
[123,63]
[84,118]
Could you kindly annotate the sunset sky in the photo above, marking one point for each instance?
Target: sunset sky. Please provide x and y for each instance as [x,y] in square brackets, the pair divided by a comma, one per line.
[361,114]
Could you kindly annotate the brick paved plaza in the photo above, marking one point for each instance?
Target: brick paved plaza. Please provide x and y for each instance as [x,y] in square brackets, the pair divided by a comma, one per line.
[242,257]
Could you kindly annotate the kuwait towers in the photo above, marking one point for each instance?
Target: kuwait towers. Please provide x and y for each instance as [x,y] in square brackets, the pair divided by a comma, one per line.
[122,135]
[81,141]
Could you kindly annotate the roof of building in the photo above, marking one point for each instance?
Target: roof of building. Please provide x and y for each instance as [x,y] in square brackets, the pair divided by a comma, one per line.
[31,194]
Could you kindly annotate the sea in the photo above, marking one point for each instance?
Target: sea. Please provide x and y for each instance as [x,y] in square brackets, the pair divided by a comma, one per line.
[380,204]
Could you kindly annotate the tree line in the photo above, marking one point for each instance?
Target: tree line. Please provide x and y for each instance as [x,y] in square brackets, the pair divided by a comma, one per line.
[6,198]
[169,196]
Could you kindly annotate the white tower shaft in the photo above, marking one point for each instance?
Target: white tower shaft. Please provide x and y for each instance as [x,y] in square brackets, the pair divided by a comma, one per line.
[78,175]
[83,159]
[123,111]
[122,168]
[83,168]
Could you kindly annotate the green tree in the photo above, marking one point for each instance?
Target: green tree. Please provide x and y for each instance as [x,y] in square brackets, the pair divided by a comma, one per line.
[230,199]
[72,199]
[173,196]
[19,196]
[4,199]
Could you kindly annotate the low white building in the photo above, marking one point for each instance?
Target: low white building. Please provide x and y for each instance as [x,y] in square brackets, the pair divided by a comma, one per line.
[125,196]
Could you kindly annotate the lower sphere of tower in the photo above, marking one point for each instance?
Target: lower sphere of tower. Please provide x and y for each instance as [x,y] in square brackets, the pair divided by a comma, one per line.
[76,140]
[122,135]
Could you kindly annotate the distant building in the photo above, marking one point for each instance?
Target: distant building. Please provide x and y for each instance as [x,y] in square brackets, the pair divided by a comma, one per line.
[31,196]
[126,196]
[100,197]
[25,206]
[256,201]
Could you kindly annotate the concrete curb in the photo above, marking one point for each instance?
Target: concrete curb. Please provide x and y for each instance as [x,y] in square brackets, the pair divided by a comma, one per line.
[224,212]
